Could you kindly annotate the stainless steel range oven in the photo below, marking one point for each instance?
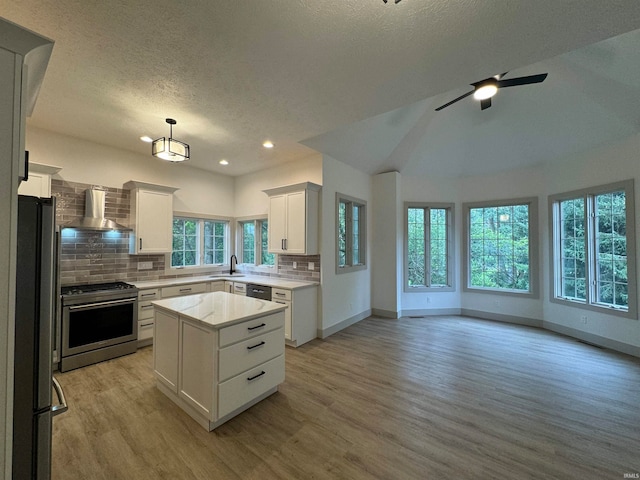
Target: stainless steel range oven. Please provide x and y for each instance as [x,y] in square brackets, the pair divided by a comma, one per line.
[99,322]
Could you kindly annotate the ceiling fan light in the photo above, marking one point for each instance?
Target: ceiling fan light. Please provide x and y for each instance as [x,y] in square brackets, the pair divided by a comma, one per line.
[485,91]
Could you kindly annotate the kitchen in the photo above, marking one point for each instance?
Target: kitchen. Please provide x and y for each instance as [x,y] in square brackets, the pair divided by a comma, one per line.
[343,300]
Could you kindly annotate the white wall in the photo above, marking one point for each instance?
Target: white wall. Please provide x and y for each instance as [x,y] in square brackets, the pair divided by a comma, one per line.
[346,296]
[86,162]
[596,167]
[429,189]
[250,200]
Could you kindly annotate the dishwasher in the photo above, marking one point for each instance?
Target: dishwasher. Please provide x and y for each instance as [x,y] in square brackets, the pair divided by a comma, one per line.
[258,291]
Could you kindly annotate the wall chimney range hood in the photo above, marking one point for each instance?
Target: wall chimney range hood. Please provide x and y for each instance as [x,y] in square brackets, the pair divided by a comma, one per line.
[94,218]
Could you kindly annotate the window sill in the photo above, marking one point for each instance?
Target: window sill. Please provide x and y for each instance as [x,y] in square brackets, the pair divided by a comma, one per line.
[601,309]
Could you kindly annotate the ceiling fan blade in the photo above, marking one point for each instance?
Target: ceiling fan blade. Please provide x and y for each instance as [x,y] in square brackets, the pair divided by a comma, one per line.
[484,104]
[454,101]
[514,82]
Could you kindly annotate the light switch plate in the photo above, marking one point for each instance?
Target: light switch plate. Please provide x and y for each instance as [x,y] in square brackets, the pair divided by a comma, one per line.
[295,265]
[145,265]
[311,265]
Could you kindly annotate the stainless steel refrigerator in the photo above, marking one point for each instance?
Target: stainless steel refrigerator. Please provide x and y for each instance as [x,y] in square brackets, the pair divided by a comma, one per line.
[36,306]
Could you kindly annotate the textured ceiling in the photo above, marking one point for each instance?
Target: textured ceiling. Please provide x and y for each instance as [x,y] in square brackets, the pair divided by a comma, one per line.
[234,73]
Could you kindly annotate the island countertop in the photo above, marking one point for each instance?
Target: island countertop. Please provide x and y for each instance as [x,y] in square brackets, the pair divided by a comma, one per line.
[219,309]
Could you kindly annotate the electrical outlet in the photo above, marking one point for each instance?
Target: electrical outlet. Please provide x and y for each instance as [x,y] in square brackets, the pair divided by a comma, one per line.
[583,319]
[311,265]
[145,265]
[295,265]
[428,299]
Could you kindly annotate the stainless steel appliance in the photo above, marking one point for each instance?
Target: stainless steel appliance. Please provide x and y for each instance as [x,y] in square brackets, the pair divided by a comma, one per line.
[36,300]
[99,322]
[259,291]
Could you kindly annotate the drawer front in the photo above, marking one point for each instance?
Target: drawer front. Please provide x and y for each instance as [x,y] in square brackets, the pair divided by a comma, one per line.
[145,329]
[239,288]
[243,388]
[149,295]
[216,286]
[280,294]
[180,290]
[145,310]
[250,328]
[249,353]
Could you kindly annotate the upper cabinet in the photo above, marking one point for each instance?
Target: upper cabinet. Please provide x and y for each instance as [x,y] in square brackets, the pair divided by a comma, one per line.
[293,219]
[151,218]
[38,181]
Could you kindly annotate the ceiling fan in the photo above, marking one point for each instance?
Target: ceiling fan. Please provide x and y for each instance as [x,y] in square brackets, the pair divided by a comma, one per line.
[487,88]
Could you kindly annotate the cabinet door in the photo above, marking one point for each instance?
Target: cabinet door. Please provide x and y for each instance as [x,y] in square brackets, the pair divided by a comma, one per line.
[296,223]
[277,223]
[287,317]
[37,185]
[165,349]
[154,221]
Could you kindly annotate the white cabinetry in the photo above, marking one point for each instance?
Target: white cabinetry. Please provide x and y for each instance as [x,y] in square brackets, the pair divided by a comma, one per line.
[301,317]
[217,286]
[38,182]
[216,373]
[145,315]
[239,288]
[293,219]
[151,218]
[180,290]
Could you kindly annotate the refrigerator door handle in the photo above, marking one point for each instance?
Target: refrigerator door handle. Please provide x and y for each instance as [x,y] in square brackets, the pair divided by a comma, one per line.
[63,407]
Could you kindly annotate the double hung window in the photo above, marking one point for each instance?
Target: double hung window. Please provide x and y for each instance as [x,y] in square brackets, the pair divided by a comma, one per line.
[199,242]
[254,242]
[351,233]
[593,248]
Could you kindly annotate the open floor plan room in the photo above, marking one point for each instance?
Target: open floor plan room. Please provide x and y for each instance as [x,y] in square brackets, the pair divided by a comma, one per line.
[413,398]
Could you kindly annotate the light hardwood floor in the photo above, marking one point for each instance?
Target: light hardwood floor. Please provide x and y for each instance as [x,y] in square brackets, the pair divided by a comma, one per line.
[438,398]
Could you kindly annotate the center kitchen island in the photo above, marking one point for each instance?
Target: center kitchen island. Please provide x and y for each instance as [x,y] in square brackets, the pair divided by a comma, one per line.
[217,354]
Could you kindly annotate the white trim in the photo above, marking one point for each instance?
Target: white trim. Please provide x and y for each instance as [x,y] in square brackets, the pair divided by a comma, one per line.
[325,332]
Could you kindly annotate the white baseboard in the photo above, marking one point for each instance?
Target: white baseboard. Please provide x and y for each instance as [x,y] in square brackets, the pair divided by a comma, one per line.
[499,317]
[429,312]
[593,339]
[325,332]
[379,312]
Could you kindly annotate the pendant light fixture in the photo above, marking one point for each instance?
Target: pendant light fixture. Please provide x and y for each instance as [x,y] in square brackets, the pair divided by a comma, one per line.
[170,149]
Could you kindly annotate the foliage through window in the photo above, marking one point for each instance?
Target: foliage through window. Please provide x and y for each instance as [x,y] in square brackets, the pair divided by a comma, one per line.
[593,247]
[428,262]
[254,242]
[501,245]
[198,242]
[351,233]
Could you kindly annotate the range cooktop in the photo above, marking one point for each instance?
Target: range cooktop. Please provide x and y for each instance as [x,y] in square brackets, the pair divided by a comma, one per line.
[95,287]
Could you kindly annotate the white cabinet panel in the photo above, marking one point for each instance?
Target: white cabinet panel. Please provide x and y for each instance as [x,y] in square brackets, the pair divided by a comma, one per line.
[249,353]
[196,363]
[181,290]
[165,349]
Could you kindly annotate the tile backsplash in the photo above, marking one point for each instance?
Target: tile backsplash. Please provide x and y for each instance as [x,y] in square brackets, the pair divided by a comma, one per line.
[94,257]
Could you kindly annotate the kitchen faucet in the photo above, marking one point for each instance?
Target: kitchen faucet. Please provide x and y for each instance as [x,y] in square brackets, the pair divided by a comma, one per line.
[231,270]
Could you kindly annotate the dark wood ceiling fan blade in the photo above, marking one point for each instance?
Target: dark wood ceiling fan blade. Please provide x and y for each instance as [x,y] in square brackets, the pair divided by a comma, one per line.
[514,82]
[454,101]
[484,104]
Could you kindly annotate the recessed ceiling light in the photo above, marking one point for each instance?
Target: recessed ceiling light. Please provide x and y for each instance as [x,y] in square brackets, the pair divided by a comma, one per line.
[223,162]
[268,144]
[146,139]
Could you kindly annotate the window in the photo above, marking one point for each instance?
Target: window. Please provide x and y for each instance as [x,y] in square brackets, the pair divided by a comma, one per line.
[501,247]
[351,234]
[593,248]
[199,242]
[428,259]
[254,245]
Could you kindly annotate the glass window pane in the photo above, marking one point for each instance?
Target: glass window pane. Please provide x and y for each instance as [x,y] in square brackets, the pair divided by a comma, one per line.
[416,239]
[611,254]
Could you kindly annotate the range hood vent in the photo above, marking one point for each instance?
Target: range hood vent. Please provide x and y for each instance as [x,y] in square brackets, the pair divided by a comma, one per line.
[94,218]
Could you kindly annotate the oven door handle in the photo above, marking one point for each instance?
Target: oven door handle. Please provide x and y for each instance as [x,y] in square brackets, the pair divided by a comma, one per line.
[102,304]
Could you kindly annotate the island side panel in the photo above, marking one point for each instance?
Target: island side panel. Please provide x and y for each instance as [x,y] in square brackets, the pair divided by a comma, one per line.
[165,349]
[197,375]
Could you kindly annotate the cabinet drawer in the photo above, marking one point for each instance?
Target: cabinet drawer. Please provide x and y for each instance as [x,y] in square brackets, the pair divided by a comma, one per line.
[249,353]
[280,294]
[145,329]
[239,288]
[180,290]
[145,310]
[250,328]
[217,286]
[149,295]
[243,388]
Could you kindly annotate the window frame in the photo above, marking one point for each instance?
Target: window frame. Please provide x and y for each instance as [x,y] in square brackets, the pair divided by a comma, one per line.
[258,221]
[450,213]
[534,262]
[201,267]
[362,231]
[555,256]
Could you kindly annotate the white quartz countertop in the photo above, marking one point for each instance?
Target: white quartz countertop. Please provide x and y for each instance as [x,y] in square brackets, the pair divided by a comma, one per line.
[258,279]
[219,309]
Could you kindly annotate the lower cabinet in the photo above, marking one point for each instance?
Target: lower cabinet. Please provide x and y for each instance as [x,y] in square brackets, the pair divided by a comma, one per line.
[301,316]
[214,374]
[145,315]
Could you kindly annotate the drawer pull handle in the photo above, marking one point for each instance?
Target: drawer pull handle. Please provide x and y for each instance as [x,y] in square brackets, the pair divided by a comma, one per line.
[143,325]
[256,376]
[255,346]
[148,295]
[185,289]
[146,306]
[280,294]
[257,326]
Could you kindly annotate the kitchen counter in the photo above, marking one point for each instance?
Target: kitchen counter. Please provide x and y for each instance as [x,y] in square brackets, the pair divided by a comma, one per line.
[218,309]
[258,279]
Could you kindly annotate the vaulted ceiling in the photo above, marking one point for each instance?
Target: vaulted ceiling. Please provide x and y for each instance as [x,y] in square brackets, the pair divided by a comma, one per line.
[356,79]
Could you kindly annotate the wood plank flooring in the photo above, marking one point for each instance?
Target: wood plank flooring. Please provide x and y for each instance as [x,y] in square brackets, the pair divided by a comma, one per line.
[434,398]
